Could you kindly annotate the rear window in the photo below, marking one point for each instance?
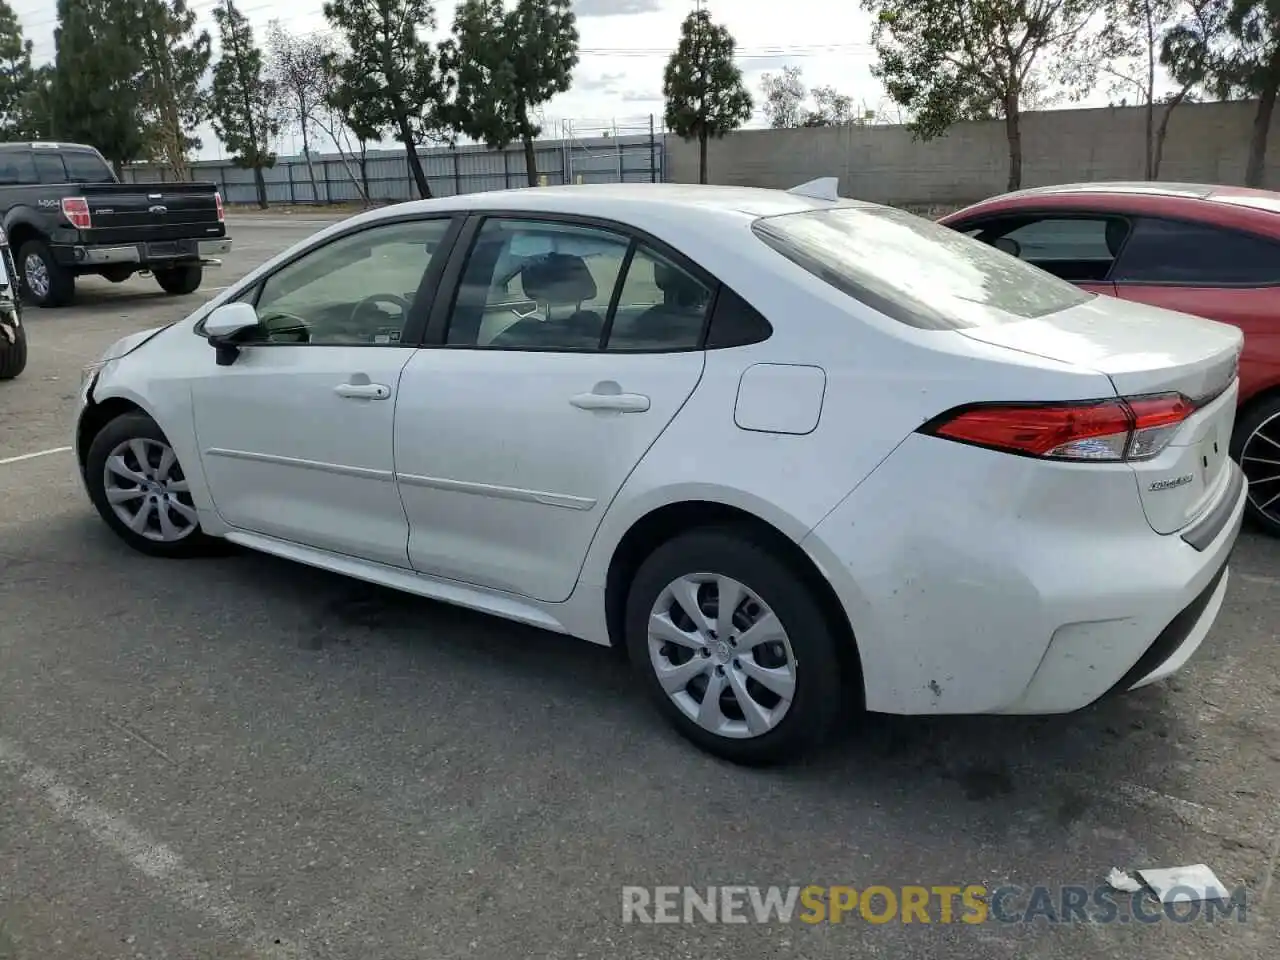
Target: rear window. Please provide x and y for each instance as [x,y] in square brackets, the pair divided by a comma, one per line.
[913,270]
[85,167]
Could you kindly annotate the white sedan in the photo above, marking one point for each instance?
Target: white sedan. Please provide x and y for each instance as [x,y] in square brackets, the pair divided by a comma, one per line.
[792,452]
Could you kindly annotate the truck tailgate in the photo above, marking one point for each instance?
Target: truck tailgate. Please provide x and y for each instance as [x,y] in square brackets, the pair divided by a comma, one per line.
[135,212]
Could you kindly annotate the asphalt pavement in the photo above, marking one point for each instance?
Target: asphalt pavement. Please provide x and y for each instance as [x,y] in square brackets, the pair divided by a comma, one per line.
[244,758]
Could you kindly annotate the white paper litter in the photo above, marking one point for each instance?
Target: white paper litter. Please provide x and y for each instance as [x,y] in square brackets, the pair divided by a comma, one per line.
[1119,880]
[1184,884]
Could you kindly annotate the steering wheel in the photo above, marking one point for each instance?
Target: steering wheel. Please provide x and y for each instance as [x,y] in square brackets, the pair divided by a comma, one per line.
[284,325]
[399,301]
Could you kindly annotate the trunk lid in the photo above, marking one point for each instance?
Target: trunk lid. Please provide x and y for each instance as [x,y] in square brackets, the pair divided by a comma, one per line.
[131,212]
[1147,350]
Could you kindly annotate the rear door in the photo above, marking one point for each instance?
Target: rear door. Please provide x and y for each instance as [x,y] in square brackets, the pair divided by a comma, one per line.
[1208,271]
[566,352]
[1079,247]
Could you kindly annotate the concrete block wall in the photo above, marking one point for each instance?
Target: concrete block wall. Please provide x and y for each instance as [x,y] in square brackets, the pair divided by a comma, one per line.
[1207,143]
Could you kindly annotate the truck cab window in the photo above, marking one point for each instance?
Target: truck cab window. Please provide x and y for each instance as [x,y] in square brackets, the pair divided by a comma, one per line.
[16,166]
[49,168]
[86,167]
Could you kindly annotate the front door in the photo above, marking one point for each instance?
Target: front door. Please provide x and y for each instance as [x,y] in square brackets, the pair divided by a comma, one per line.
[296,435]
[513,437]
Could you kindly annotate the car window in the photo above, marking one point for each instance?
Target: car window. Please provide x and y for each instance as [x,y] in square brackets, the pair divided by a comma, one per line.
[661,307]
[85,167]
[1171,251]
[537,285]
[49,167]
[1078,249]
[914,270]
[356,290]
[16,166]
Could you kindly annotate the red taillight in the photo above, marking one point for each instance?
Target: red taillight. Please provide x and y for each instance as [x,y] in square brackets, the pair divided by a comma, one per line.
[76,210]
[1136,428]
[217,201]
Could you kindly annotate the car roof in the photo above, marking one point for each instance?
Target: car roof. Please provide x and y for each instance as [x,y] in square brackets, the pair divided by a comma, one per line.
[631,199]
[1267,200]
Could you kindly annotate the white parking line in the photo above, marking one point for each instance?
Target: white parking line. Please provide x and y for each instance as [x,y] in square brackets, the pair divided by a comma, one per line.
[32,456]
[148,856]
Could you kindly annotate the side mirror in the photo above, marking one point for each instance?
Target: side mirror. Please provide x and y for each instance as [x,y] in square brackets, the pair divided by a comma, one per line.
[222,325]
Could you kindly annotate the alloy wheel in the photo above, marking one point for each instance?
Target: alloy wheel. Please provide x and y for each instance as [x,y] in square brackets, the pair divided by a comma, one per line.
[148,491]
[36,273]
[1260,460]
[722,656]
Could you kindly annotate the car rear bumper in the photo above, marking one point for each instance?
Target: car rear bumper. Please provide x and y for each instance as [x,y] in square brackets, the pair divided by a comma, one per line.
[1010,585]
[143,255]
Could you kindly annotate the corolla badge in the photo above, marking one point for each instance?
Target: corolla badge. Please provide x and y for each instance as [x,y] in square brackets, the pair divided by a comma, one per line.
[1171,482]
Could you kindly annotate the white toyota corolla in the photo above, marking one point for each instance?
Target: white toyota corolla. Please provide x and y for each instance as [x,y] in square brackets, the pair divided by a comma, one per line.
[791,451]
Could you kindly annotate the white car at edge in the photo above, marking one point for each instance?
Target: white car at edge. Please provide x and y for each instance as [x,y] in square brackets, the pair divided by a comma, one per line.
[793,452]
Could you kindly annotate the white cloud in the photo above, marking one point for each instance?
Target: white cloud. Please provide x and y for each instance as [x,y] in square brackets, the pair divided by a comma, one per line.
[614,8]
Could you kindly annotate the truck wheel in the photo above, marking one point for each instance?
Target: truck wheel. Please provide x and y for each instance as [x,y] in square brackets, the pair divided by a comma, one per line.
[180,280]
[13,356]
[43,281]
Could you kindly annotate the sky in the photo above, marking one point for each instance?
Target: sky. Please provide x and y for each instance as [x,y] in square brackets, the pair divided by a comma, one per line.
[624,46]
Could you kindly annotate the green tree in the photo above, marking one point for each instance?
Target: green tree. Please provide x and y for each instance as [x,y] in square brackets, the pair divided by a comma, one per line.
[506,64]
[176,59]
[703,88]
[343,121]
[299,65]
[784,96]
[34,117]
[1191,50]
[393,72]
[951,60]
[830,109]
[17,78]
[1252,67]
[245,102]
[98,78]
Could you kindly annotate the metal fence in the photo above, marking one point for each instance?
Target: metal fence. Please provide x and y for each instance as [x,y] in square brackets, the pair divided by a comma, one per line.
[613,158]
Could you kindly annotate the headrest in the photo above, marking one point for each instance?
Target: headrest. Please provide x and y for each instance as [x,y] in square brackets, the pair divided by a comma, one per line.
[558,278]
[678,285]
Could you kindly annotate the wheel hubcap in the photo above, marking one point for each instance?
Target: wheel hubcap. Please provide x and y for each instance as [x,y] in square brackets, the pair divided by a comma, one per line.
[722,656]
[1260,460]
[148,491]
[37,275]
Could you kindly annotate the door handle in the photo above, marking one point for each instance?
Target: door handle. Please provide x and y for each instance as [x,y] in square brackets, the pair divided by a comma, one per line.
[619,402]
[363,391]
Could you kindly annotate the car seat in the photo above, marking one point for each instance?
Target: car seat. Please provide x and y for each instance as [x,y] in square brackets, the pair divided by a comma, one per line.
[556,280]
[677,321]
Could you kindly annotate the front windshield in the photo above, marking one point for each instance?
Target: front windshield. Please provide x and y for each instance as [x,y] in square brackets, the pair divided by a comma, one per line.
[914,270]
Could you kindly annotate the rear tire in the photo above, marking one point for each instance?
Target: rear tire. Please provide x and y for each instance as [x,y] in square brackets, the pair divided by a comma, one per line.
[180,280]
[1256,439]
[42,281]
[728,659]
[13,356]
[145,475]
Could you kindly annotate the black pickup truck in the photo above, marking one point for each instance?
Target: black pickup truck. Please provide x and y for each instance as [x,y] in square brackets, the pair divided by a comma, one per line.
[66,215]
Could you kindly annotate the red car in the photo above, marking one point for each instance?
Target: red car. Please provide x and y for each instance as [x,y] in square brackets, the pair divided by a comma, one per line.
[1204,250]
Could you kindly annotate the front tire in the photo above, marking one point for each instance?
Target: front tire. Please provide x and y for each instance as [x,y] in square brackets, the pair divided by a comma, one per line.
[688,649]
[1255,445]
[13,356]
[180,280]
[139,488]
[42,281]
